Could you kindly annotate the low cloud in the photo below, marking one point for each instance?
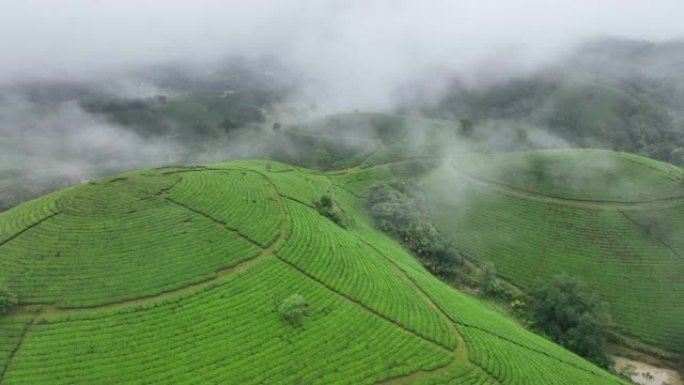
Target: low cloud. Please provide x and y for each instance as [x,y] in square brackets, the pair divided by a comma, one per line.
[352,53]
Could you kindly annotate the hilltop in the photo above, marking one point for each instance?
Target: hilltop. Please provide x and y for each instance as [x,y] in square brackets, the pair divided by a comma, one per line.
[177,274]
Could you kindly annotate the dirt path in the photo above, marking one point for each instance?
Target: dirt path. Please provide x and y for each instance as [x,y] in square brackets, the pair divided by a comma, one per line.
[645,374]
[218,222]
[16,348]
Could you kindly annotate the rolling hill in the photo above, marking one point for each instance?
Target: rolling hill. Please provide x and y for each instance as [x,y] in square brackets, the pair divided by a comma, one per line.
[175,275]
[611,93]
[613,219]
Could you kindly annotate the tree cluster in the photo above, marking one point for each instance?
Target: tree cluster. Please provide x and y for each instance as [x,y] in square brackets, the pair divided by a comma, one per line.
[327,207]
[399,209]
[569,314]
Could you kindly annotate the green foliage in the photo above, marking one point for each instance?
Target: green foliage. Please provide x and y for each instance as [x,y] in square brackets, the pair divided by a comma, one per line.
[122,230]
[398,208]
[329,209]
[324,159]
[228,334]
[489,283]
[243,204]
[654,225]
[7,299]
[344,262]
[570,315]
[571,223]
[197,115]
[147,247]
[578,174]
[294,308]
[641,115]
[505,350]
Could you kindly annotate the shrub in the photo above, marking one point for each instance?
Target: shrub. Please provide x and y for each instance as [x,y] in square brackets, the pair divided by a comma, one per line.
[329,209]
[654,226]
[489,284]
[324,159]
[294,308]
[7,299]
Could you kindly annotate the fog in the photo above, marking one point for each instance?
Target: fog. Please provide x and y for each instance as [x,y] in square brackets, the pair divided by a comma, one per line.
[72,142]
[353,53]
[337,55]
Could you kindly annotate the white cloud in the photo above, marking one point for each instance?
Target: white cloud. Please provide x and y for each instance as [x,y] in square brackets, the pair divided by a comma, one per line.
[354,52]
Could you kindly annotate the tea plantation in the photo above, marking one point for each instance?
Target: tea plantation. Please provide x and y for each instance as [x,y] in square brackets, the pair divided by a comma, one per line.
[175,275]
[615,220]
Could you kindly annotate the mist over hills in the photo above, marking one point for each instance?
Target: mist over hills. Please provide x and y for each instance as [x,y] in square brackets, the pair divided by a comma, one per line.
[380,192]
[617,94]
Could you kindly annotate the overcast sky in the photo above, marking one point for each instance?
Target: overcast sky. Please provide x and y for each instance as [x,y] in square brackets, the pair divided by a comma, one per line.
[342,45]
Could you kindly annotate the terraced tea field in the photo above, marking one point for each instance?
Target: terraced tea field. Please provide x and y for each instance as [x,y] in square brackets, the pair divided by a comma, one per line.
[175,275]
[579,174]
[615,221]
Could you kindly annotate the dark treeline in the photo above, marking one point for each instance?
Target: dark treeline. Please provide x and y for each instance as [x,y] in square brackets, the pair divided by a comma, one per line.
[616,94]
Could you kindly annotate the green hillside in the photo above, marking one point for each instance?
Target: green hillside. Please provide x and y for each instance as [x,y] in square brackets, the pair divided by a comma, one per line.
[176,275]
[615,220]
[590,175]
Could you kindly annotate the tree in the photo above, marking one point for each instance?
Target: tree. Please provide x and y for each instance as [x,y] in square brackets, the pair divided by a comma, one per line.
[227,124]
[324,159]
[7,299]
[570,315]
[329,209]
[489,284]
[294,308]
[653,225]
[466,126]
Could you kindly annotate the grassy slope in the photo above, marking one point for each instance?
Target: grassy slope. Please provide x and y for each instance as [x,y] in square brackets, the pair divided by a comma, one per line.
[162,276]
[579,174]
[538,214]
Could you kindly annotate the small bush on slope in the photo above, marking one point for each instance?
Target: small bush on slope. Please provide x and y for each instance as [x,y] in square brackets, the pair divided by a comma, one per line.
[7,299]
[294,308]
[328,208]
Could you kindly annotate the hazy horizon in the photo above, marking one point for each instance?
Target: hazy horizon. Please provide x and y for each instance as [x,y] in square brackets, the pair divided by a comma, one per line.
[350,54]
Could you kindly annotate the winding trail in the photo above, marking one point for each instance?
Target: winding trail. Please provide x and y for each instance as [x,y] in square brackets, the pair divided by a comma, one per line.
[658,239]
[221,223]
[16,348]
